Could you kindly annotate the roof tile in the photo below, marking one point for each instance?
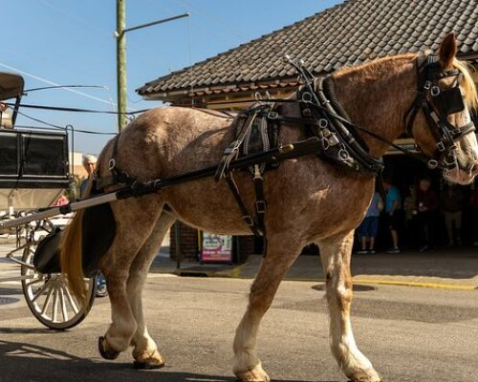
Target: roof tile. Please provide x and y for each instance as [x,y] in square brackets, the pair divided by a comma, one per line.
[350,33]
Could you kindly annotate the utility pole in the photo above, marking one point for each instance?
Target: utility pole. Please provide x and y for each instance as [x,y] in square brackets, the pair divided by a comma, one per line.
[121,62]
[120,35]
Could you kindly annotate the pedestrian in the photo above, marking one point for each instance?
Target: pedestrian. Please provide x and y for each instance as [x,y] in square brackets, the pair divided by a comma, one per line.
[474,206]
[427,207]
[89,163]
[367,231]
[392,206]
[451,204]
[410,209]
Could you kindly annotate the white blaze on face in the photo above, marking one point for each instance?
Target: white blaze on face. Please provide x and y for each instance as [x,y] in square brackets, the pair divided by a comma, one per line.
[467,148]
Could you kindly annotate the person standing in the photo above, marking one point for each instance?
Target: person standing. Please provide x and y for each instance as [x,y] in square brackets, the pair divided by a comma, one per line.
[451,203]
[89,163]
[474,207]
[392,205]
[410,209]
[427,206]
[367,230]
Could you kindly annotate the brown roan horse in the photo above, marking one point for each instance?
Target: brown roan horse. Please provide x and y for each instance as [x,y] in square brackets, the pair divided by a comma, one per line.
[309,201]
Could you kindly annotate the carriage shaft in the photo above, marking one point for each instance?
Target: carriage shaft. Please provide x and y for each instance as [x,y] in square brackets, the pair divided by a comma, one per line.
[61,210]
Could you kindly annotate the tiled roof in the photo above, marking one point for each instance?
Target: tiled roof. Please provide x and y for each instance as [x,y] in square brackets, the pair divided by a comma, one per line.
[353,32]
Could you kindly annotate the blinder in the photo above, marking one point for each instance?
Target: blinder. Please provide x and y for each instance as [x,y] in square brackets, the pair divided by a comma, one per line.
[449,101]
[437,104]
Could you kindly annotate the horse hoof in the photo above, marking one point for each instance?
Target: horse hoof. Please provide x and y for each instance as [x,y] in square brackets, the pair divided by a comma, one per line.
[255,375]
[153,361]
[104,351]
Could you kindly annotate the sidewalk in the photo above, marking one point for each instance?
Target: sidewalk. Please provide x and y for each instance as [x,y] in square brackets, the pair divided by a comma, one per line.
[455,268]
[446,268]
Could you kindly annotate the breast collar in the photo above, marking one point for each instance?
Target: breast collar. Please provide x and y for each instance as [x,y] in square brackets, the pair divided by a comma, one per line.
[341,142]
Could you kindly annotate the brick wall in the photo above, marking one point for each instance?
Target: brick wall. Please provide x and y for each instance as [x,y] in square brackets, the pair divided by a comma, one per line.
[189,242]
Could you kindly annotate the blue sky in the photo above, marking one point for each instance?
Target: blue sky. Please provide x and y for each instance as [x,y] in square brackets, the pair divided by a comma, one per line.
[71,43]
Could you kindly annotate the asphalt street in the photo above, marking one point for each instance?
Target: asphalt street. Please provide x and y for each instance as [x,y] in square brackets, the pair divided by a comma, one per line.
[410,334]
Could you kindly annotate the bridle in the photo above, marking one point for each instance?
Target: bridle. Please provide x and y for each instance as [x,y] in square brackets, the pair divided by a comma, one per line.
[437,104]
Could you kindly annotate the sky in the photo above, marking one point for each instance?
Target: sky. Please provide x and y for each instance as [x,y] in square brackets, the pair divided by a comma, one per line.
[71,42]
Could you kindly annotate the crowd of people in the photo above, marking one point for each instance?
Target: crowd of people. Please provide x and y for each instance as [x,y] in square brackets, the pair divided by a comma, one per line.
[419,218]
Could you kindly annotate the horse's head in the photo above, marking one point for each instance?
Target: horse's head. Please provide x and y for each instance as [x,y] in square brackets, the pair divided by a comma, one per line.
[439,119]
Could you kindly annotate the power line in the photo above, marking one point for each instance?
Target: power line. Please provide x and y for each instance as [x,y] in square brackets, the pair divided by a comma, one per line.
[111,103]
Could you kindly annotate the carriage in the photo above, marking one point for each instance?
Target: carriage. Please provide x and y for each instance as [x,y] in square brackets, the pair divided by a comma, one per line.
[34,172]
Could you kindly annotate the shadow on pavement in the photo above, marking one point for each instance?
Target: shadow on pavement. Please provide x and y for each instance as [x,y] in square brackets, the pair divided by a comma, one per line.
[22,361]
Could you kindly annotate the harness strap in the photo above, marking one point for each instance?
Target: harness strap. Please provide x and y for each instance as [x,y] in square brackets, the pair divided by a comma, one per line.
[246,216]
[232,151]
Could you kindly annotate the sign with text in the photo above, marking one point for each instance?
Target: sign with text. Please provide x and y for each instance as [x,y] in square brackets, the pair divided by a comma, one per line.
[216,248]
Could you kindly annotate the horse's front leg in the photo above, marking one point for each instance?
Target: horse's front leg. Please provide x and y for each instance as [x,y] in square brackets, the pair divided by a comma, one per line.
[282,251]
[335,254]
[145,351]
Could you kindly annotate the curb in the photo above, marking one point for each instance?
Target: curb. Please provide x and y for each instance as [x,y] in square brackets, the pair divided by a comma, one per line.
[415,284]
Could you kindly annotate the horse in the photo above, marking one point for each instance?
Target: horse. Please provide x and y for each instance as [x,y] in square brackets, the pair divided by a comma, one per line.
[309,200]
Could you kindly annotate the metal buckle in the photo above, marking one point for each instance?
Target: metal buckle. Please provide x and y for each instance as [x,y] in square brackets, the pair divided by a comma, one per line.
[323,123]
[261,206]
[432,164]
[230,150]
[111,164]
[435,91]
[344,155]
[441,146]
[307,97]
[307,112]
[273,115]
[248,220]
[427,85]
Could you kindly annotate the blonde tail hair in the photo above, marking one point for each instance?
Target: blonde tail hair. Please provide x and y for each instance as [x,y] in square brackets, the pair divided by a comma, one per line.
[71,253]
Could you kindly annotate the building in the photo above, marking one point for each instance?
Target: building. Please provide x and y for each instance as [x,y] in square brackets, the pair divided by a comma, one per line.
[353,32]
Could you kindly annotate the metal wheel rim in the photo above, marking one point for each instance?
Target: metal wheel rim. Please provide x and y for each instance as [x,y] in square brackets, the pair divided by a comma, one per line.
[49,298]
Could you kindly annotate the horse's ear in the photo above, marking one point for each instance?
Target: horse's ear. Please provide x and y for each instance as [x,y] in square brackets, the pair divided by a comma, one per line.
[448,50]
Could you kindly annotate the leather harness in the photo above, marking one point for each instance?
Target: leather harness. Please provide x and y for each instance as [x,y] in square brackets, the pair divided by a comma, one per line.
[332,136]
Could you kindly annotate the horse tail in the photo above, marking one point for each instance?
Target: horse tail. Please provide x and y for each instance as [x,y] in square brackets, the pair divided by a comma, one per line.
[71,252]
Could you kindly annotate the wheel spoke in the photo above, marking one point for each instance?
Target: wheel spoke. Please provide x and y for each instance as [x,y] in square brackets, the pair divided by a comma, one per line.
[40,291]
[36,281]
[55,304]
[72,302]
[47,300]
[64,311]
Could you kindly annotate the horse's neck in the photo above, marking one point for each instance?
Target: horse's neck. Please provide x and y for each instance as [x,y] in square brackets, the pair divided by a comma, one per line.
[377,96]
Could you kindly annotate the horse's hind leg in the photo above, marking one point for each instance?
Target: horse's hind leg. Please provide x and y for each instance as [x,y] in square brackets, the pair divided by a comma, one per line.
[135,219]
[282,251]
[335,254]
[145,350]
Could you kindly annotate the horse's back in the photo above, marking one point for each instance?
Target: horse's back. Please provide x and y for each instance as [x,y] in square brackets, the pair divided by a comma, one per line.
[167,141]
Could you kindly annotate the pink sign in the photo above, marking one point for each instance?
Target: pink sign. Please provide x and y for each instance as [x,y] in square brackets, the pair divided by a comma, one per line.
[216,248]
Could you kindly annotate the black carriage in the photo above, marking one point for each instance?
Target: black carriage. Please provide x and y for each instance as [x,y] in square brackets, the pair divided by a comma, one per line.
[34,172]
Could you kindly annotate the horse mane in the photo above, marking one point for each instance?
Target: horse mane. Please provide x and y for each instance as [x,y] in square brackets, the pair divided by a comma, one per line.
[468,85]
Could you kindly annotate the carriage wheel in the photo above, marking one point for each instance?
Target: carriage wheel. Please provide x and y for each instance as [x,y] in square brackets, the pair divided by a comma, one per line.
[49,298]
